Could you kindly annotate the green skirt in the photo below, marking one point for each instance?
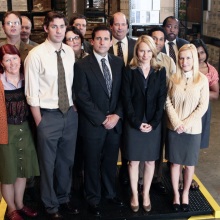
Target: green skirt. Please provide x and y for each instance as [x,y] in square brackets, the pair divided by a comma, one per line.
[18,158]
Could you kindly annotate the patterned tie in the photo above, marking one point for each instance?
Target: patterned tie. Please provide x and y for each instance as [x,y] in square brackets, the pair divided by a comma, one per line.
[120,51]
[171,51]
[107,76]
[63,101]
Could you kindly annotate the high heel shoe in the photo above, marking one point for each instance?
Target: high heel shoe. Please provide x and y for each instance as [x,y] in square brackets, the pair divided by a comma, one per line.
[176,207]
[147,208]
[134,208]
[185,207]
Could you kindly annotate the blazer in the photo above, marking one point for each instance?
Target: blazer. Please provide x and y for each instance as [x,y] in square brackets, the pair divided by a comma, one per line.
[179,42]
[92,100]
[3,117]
[131,43]
[139,103]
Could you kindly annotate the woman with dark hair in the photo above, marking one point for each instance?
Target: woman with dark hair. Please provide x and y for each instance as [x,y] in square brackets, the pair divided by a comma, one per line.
[211,73]
[143,94]
[187,101]
[74,39]
[17,151]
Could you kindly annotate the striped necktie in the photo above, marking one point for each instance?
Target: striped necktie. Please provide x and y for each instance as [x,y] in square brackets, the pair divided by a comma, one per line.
[171,51]
[107,76]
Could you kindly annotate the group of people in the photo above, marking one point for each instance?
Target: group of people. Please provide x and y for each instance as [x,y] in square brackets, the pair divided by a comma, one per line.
[88,101]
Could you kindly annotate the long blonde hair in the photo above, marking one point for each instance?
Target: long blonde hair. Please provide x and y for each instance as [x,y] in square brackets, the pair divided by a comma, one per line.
[196,73]
[150,42]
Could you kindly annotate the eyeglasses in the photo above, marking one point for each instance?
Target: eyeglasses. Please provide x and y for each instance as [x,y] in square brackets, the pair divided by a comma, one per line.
[73,38]
[11,23]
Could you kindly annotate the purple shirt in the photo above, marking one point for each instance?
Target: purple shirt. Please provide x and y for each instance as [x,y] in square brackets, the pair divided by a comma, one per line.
[8,85]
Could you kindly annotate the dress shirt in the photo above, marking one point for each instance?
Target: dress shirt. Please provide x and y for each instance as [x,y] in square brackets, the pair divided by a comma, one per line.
[174,47]
[8,85]
[41,75]
[124,45]
[98,57]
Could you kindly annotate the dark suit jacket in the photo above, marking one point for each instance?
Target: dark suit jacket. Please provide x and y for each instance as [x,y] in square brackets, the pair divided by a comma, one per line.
[131,43]
[87,47]
[179,42]
[91,94]
[138,103]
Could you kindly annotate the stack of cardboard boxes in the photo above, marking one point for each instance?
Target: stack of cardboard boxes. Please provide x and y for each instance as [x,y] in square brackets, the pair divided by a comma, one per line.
[211,28]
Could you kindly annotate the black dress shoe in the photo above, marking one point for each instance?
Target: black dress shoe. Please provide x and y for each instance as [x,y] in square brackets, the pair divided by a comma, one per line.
[116,201]
[185,207]
[55,216]
[159,187]
[95,209]
[69,209]
[176,207]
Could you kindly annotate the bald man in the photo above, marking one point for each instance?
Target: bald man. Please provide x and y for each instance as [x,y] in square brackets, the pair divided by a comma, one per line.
[26,31]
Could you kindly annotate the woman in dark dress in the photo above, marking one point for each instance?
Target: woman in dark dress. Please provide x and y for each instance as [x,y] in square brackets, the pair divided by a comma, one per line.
[143,95]
[17,153]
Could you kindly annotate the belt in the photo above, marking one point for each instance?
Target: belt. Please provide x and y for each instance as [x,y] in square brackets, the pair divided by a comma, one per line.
[50,110]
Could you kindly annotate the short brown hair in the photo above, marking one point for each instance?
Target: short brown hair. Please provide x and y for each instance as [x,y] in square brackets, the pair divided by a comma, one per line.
[51,15]
[11,12]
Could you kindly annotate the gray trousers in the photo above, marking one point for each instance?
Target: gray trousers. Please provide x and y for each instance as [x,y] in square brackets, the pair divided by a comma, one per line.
[56,150]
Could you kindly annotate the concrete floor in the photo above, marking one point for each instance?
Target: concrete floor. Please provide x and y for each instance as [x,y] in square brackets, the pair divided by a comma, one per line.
[208,168]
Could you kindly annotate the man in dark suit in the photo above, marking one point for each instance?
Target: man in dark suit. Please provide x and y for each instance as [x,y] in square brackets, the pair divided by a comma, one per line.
[100,112]
[171,26]
[119,26]
[80,22]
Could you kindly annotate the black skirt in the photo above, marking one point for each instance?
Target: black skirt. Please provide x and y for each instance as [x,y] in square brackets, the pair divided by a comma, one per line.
[141,146]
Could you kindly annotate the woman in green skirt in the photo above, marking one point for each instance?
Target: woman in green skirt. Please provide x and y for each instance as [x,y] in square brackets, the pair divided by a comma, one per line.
[17,151]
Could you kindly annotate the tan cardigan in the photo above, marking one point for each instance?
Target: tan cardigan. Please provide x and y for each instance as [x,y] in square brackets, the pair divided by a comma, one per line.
[186,103]
[3,117]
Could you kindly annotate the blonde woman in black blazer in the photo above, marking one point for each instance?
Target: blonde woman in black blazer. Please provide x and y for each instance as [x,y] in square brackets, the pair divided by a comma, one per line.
[143,94]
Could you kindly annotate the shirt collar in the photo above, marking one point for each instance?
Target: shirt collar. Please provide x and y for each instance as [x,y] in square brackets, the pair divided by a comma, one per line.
[5,81]
[115,41]
[99,57]
[174,41]
[51,48]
